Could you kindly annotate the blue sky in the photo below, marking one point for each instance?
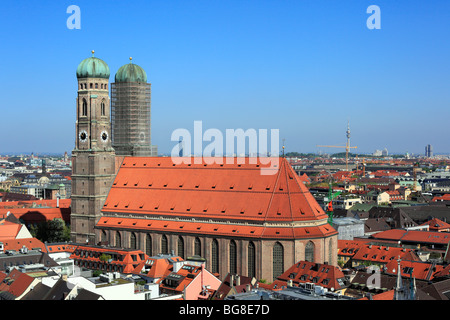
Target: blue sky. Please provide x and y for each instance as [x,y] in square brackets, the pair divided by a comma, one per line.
[303,67]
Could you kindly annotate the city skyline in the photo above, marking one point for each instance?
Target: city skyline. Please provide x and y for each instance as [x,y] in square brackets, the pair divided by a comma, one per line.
[303,68]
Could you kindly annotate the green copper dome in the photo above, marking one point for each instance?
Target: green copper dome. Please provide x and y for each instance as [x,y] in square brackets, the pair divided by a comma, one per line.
[131,73]
[93,68]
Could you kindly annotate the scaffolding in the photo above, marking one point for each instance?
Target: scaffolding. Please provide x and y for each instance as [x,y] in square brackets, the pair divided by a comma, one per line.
[131,119]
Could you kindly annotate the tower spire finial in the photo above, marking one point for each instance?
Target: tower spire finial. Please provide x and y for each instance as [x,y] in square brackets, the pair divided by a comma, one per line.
[131,58]
[93,52]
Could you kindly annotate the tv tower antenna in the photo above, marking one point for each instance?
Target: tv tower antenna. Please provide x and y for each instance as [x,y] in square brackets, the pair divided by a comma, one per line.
[347,146]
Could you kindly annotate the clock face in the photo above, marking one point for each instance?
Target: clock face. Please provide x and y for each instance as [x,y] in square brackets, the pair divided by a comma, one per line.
[83,136]
[104,136]
[142,137]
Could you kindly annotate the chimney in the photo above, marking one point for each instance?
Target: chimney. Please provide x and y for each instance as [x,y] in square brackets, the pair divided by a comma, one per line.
[231,280]
[238,280]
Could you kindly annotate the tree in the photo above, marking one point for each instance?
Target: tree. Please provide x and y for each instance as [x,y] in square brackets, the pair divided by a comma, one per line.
[52,231]
[56,230]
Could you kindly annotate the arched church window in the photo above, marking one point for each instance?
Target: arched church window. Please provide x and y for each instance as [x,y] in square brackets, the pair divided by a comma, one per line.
[251,260]
[164,246]
[215,256]
[278,260]
[197,247]
[118,240]
[180,247]
[148,245]
[84,108]
[233,257]
[309,252]
[133,241]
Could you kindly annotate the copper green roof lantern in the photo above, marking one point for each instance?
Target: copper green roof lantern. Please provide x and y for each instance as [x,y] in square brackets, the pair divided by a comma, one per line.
[93,68]
[131,73]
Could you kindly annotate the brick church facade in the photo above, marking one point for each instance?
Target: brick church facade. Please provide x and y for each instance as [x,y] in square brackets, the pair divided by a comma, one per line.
[238,219]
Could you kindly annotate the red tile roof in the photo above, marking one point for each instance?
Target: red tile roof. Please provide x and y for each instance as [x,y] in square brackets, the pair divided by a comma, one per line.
[15,282]
[436,225]
[9,230]
[445,197]
[17,244]
[388,295]
[414,236]
[420,270]
[157,266]
[382,254]
[157,187]
[33,212]
[125,259]
[325,275]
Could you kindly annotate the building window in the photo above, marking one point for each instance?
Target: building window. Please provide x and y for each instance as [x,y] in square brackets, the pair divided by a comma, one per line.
[309,252]
[133,241]
[251,260]
[84,108]
[148,245]
[330,252]
[278,260]
[96,86]
[164,247]
[90,85]
[118,240]
[104,237]
[197,247]
[180,247]
[215,256]
[103,109]
[233,257]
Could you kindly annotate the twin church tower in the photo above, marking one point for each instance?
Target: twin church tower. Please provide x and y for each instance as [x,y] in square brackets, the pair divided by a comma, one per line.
[107,130]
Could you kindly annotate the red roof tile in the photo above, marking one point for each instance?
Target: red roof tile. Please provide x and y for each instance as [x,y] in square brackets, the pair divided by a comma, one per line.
[325,275]
[414,236]
[436,225]
[157,187]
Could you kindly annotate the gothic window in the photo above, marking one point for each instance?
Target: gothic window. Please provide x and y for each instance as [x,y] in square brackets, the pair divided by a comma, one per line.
[133,241]
[148,245]
[180,246]
[197,247]
[233,257]
[309,252]
[251,260]
[164,247]
[330,252]
[84,109]
[278,260]
[104,236]
[103,109]
[118,240]
[215,256]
